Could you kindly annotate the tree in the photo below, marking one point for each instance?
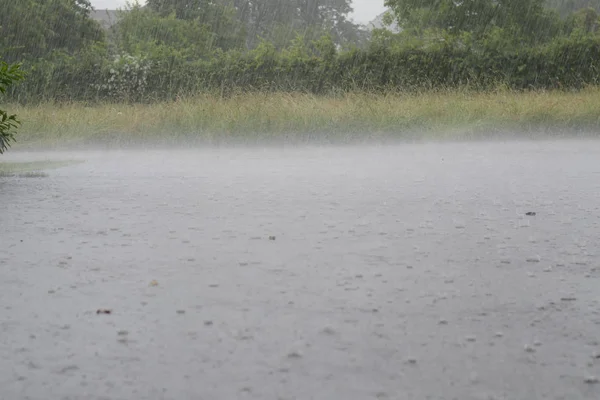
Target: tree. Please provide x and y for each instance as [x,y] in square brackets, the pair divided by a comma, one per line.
[9,74]
[202,10]
[584,21]
[566,7]
[214,16]
[281,21]
[523,19]
[30,29]
[142,31]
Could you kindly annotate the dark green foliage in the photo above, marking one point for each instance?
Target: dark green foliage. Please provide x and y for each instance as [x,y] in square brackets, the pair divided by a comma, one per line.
[141,31]
[566,7]
[280,21]
[182,47]
[216,19]
[9,74]
[567,62]
[584,21]
[30,29]
[527,21]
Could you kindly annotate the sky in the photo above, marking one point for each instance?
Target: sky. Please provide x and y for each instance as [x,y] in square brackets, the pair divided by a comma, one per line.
[364,10]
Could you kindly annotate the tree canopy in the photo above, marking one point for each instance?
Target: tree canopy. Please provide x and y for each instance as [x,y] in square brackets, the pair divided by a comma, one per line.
[143,30]
[566,7]
[30,29]
[278,21]
[527,20]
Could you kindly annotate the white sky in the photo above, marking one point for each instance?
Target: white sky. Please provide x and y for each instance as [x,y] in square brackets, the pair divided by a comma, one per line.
[364,10]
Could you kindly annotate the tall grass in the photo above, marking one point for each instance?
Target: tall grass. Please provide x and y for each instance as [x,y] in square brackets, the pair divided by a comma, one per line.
[282,116]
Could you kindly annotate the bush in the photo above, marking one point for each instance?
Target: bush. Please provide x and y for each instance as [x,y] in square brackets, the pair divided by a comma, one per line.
[9,74]
[570,62]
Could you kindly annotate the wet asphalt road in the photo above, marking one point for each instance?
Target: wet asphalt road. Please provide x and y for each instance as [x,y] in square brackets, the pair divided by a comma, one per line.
[398,272]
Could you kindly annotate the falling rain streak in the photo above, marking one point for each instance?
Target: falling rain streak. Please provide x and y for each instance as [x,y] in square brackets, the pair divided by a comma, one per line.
[228,199]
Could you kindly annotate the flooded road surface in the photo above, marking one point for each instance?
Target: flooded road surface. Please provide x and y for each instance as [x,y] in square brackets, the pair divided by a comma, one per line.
[400,272]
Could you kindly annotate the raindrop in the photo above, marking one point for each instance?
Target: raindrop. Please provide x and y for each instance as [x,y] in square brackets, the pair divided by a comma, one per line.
[528,348]
[328,331]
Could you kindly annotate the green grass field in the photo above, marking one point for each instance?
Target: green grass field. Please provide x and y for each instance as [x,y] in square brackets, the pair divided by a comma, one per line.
[280,116]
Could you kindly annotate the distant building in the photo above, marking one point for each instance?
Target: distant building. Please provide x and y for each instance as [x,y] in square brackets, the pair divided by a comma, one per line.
[106,18]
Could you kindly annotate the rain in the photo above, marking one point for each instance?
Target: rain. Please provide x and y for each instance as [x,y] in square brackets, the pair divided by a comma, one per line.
[300,199]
